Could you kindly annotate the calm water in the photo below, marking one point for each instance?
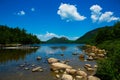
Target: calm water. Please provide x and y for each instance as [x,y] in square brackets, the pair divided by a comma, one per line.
[10,61]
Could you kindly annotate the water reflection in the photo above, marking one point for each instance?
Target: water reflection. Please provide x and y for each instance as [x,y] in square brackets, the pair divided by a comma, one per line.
[14,54]
[10,61]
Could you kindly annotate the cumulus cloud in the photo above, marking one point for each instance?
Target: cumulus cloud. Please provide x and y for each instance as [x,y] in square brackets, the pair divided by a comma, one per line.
[95,8]
[48,35]
[69,13]
[33,9]
[96,12]
[21,13]
[98,16]
[108,17]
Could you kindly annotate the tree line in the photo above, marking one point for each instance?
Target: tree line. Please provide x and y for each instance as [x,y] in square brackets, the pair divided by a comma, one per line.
[10,35]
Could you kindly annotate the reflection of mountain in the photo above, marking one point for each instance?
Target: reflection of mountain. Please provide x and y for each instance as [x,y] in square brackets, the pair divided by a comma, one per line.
[58,40]
[63,48]
[9,55]
[54,47]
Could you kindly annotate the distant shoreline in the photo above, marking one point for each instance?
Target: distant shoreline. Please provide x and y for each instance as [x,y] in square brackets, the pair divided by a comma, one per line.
[17,46]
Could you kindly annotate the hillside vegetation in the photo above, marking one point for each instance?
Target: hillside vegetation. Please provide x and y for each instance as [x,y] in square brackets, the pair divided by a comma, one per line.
[106,38]
[16,35]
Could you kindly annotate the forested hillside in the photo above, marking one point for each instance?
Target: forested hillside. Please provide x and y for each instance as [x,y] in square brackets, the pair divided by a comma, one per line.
[106,38]
[16,35]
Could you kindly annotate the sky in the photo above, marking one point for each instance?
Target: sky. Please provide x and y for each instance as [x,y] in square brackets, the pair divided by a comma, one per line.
[57,18]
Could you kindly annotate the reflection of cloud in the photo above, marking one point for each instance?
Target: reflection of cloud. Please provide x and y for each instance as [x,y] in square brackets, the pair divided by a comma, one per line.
[49,52]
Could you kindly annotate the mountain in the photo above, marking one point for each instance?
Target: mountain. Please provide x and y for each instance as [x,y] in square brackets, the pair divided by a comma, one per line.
[89,37]
[59,40]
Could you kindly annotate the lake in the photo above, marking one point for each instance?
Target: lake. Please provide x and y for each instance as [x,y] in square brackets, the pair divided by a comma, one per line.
[11,59]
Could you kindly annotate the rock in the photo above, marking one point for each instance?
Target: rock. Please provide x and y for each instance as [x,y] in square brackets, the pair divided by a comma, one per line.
[79,77]
[71,71]
[74,53]
[33,65]
[22,65]
[90,69]
[93,78]
[52,60]
[95,66]
[101,55]
[81,56]
[90,58]
[38,58]
[57,76]
[36,69]
[92,54]
[62,54]
[67,77]
[82,73]
[88,65]
[58,65]
[26,68]
[41,70]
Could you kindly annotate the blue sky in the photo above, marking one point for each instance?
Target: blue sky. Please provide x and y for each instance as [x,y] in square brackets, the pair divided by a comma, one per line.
[49,18]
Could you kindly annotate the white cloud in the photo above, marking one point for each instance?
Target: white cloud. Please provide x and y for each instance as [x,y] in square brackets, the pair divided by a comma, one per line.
[95,12]
[98,16]
[95,8]
[108,17]
[49,35]
[69,13]
[21,13]
[33,9]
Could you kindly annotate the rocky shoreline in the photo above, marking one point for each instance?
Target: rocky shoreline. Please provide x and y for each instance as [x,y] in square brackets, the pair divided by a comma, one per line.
[63,71]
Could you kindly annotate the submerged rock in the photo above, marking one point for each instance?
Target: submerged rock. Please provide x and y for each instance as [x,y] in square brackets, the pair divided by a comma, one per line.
[22,65]
[74,53]
[26,68]
[38,58]
[36,69]
[33,65]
